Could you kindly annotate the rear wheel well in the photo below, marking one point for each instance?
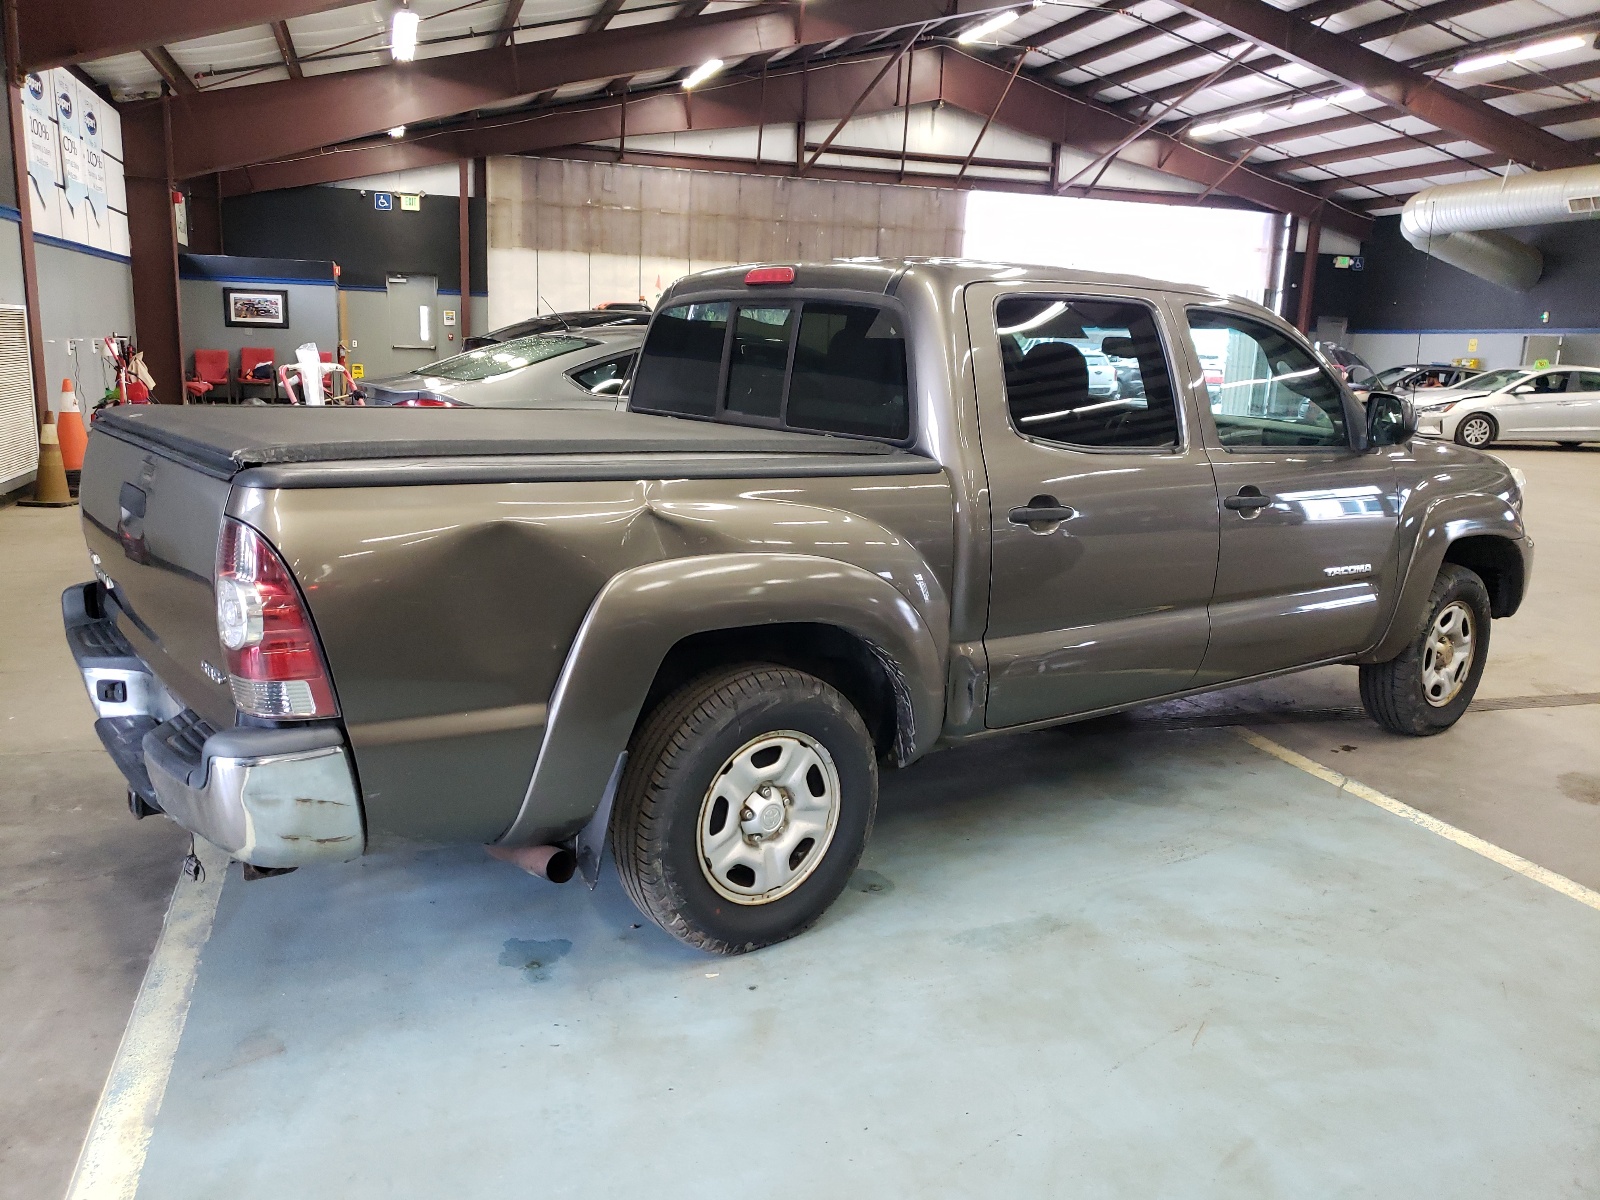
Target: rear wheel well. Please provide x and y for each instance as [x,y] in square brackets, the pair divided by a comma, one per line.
[861,671]
[1497,562]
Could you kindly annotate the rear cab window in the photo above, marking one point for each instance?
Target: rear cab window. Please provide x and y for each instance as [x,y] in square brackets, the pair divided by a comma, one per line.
[1086,373]
[818,366]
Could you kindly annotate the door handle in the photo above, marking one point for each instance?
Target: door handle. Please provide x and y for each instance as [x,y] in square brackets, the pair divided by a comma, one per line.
[1249,502]
[1042,510]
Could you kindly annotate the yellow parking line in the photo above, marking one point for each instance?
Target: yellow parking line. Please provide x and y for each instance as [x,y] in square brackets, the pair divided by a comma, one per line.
[1460,837]
[113,1152]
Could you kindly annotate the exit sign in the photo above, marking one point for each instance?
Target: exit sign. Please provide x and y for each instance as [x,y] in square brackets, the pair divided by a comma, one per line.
[1349,262]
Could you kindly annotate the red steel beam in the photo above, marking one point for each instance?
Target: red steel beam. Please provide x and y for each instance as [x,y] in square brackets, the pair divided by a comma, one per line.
[55,33]
[230,127]
[1031,107]
[1401,86]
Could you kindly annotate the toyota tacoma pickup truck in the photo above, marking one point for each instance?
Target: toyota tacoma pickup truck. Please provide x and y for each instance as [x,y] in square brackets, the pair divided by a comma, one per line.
[853,513]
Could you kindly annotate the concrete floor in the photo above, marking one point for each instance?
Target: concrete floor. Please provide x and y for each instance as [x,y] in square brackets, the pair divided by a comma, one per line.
[1151,960]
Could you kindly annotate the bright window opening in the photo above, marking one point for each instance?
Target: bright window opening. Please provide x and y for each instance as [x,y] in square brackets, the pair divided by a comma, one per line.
[1225,249]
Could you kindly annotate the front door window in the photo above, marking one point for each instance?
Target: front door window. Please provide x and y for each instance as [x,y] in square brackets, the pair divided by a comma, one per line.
[1265,389]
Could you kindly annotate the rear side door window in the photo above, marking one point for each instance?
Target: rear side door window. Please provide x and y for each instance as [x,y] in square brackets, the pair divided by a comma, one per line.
[820,366]
[605,378]
[1266,389]
[1086,373]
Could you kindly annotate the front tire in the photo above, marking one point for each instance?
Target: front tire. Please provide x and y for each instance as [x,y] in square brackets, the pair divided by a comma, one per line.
[747,800]
[1428,686]
[1478,431]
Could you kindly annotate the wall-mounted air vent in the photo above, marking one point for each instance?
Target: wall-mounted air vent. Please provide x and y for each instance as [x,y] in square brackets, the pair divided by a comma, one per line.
[19,436]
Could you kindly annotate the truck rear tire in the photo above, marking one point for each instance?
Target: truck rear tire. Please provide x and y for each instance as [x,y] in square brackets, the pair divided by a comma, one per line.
[745,805]
[1428,686]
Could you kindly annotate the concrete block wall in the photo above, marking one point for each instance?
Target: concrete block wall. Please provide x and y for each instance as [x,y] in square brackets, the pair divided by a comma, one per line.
[567,234]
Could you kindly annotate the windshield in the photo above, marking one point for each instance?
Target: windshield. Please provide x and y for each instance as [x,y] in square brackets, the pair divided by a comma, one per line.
[1390,377]
[1493,381]
[503,358]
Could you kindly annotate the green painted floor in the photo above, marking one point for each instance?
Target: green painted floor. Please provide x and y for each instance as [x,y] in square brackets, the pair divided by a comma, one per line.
[1101,961]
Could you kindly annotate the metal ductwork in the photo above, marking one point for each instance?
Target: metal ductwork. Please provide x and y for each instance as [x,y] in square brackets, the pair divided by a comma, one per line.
[1455,223]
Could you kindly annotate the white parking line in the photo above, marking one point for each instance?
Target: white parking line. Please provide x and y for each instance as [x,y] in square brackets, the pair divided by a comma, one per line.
[1460,837]
[113,1151]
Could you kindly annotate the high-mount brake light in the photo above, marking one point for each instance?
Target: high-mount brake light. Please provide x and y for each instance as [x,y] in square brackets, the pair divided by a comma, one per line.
[760,275]
[275,666]
[427,402]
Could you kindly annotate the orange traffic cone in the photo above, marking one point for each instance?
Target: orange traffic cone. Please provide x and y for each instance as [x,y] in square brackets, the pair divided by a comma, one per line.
[50,484]
[74,437]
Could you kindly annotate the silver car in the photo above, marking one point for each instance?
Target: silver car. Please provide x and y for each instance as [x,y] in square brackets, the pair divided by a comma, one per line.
[543,370]
[1551,404]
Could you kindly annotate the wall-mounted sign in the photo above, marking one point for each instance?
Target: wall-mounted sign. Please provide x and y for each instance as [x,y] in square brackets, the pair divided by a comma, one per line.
[1472,345]
[382,201]
[1349,262]
[410,203]
[448,316]
[358,371]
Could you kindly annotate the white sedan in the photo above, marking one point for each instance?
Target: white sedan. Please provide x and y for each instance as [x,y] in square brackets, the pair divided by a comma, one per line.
[1552,404]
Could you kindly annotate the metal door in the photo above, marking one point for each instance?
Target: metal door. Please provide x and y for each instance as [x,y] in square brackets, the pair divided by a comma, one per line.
[1103,557]
[1309,524]
[413,312]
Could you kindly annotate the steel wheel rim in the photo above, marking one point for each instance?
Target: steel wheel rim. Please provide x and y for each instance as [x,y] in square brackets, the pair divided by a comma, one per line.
[768,817]
[1476,432]
[1447,654]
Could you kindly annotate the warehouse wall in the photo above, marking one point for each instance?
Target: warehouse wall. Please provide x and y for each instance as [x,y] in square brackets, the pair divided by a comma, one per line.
[570,234]
[83,296]
[1406,306]
[313,305]
[342,224]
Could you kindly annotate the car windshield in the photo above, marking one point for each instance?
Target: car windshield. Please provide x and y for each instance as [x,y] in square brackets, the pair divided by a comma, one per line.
[503,358]
[1493,381]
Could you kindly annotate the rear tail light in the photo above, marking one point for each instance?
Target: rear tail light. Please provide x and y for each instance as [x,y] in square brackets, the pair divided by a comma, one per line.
[275,665]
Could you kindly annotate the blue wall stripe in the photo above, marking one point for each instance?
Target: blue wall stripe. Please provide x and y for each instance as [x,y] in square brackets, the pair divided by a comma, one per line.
[10,214]
[257,280]
[1473,332]
[44,239]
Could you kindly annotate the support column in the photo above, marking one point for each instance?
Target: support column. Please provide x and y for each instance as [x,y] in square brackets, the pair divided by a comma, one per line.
[464,235]
[1308,273]
[153,247]
[30,263]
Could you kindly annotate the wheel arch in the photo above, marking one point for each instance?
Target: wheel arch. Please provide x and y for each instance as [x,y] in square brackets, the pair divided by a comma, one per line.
[657,625]
[1475,531]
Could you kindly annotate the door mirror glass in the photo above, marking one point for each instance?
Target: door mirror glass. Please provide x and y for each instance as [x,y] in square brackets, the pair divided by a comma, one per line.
[1391,419]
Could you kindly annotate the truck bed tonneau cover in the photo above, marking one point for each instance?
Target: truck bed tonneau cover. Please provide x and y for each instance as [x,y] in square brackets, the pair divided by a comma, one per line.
[226,440]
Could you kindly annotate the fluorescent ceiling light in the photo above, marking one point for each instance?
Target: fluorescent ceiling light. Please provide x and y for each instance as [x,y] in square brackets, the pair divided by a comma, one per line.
[702,73]
[403,35]
[984,28]
[1538,50]
[1350,96]
[1241,121]
[399,131]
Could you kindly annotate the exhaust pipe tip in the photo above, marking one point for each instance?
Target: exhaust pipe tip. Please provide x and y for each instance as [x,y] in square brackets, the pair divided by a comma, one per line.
[554,863]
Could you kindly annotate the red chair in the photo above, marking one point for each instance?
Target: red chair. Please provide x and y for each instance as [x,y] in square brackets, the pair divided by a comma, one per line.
[210,371]
[251,357]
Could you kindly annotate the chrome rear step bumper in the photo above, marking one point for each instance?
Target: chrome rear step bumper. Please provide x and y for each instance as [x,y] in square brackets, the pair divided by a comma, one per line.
[270,797]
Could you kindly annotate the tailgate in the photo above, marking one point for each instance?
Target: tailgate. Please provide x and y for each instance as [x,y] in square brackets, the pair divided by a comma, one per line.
[154,523]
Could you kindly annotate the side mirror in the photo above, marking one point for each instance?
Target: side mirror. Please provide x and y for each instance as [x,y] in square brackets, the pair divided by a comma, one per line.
[1391,419]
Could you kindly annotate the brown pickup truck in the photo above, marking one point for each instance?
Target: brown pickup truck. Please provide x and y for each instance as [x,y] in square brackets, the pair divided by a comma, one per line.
[854,512]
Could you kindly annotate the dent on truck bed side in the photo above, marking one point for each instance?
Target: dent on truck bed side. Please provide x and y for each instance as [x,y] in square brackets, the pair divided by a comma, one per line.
[1448,494]
[447,612]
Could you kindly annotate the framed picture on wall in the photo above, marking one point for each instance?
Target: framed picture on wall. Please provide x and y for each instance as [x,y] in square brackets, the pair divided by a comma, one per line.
[263,307]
